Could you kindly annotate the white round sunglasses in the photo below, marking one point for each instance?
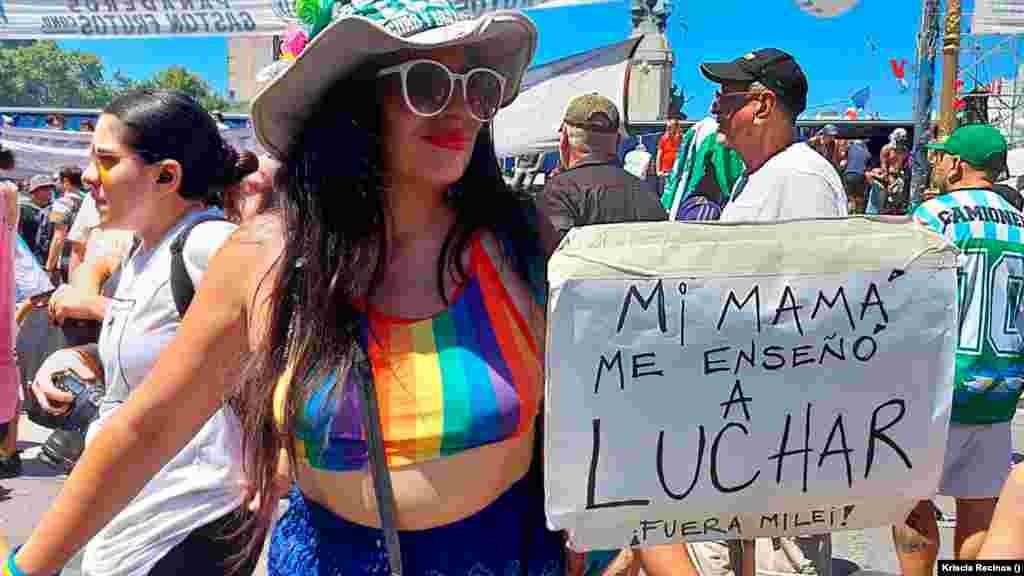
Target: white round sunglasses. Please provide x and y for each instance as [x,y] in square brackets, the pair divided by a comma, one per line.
[428,85]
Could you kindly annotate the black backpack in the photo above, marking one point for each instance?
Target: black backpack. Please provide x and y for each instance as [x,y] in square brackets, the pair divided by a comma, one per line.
[182,287]
[31,219]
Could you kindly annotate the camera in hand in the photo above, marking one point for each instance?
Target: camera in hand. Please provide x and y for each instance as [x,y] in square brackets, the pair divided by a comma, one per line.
[82,410]
[69,382]
[67,442]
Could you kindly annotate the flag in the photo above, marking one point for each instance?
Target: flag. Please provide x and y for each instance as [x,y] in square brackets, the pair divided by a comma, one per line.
[861,97]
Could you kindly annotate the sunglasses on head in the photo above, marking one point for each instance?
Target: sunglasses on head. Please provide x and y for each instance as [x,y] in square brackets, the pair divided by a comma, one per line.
[427,87]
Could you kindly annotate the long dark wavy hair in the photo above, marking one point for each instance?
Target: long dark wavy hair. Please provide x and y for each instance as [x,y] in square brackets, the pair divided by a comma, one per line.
[330,192]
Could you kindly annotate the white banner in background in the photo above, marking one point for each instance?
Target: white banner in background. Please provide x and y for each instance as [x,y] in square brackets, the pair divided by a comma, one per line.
[44,151]
[156,18]
[998,17]
[531,123]
[722,382]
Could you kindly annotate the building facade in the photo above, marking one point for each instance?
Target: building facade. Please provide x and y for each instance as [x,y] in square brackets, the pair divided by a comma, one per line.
[247,56]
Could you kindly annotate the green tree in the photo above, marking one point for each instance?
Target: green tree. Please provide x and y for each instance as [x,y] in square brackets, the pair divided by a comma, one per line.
[44,75]
[181,78]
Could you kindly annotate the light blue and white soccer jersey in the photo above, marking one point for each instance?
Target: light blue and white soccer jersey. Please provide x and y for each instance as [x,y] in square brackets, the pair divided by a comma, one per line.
[990,282]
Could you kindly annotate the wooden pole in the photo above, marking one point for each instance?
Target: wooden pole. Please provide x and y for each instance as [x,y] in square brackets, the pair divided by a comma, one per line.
[950,67]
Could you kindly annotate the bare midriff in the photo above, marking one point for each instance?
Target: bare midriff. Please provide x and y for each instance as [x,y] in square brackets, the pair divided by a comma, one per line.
[427,494]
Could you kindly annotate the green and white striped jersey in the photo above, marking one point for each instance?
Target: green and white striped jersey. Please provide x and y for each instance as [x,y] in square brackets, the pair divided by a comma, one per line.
[990,281]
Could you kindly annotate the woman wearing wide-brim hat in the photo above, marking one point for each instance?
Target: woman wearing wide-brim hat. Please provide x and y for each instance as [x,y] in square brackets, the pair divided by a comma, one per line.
[393,305]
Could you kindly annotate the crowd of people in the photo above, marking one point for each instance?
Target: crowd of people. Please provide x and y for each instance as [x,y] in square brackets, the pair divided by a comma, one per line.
[363,333]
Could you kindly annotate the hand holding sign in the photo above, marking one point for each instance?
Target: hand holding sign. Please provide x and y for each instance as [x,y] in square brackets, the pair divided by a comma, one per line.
[713,381]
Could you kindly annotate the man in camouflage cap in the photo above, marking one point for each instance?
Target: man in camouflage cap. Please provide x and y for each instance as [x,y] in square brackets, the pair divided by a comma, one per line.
[593,112]
[592,187]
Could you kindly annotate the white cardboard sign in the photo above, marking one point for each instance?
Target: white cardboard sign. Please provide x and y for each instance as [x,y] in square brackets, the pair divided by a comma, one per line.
[718,405]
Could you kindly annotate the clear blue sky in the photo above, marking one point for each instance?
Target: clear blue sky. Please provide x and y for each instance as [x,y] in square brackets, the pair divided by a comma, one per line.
[835,53]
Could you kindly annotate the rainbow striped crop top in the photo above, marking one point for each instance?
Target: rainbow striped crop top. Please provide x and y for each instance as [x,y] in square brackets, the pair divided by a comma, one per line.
[469,376]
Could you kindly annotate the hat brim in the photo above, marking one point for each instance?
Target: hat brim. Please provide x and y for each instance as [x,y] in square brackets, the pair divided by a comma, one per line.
[723,72]
[285,103]
[940,146]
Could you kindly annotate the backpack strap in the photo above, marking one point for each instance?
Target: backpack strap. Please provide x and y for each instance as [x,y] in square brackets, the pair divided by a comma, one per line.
[182,287]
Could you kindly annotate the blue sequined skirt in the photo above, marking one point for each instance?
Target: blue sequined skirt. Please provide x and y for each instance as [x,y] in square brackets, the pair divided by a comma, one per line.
[310,540]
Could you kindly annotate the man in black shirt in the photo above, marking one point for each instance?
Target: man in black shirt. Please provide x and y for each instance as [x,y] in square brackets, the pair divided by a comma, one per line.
[34,212]
[592,187]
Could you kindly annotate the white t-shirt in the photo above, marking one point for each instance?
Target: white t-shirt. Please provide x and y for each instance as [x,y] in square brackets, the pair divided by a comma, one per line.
[106,243]
[795,183]
[88,217]
[66,204]
[637,162]
[201,483]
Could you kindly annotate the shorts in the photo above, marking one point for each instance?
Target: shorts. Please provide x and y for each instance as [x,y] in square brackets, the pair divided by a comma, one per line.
[856,184]
[310,540]
[977,460]
[207,551]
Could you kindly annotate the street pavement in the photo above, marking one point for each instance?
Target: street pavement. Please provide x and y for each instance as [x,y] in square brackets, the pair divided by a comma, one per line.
[23,501]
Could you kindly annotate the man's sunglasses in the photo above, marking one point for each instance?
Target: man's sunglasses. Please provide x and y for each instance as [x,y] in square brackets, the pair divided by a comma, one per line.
[727,103]
[427,87]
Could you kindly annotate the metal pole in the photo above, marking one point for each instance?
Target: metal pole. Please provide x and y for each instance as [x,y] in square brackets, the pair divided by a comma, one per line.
[926,44]
[950,68]
[825,556]
[1014,101]
[1013,97]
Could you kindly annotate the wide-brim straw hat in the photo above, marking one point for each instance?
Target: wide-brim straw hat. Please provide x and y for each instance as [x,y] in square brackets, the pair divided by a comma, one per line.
[365,29]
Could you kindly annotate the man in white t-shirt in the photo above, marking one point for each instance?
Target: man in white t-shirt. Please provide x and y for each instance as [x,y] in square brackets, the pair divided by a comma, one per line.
[761,95]
[85,221]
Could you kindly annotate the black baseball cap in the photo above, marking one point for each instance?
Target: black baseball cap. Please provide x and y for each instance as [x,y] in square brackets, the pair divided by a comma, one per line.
[775,69]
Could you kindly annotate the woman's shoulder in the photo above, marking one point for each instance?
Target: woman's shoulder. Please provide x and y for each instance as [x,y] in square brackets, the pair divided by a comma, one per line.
[254,248]
[262,233]
[266,227]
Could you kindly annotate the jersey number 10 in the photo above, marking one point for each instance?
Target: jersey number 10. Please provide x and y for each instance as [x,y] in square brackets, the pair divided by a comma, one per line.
[990,305]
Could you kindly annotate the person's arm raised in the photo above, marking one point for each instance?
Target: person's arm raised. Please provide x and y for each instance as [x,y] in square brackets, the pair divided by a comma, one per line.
[187,385]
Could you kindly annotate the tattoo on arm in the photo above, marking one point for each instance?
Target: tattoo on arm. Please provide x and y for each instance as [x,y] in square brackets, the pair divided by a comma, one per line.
[910,538]
[912,547]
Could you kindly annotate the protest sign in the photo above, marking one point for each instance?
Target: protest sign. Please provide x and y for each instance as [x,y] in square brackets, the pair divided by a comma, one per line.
[711,381]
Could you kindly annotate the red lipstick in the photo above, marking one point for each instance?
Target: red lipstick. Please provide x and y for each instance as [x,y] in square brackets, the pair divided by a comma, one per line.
[449,141]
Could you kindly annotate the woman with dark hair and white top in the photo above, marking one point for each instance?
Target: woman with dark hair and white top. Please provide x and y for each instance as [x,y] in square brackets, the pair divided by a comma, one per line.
[158,167]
